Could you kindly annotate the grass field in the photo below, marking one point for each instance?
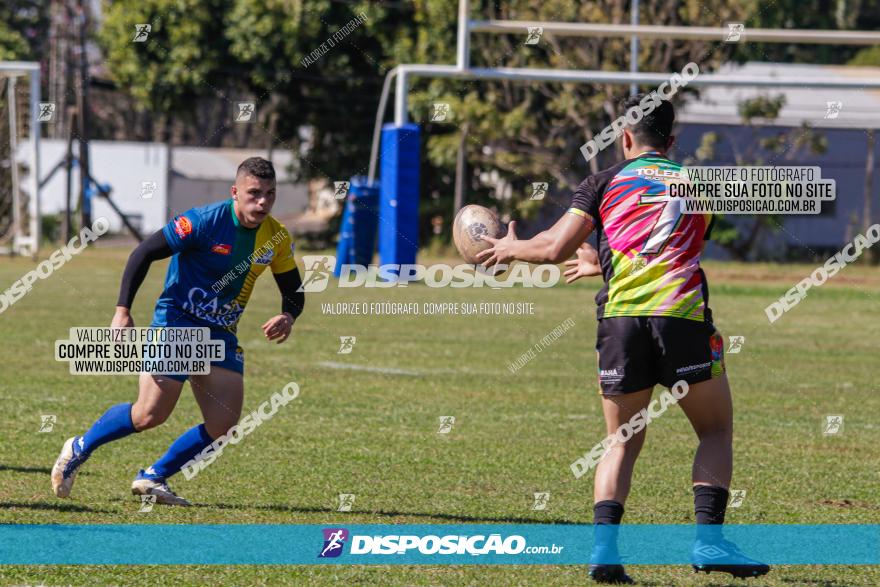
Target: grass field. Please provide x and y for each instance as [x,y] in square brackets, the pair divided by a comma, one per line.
[374,434]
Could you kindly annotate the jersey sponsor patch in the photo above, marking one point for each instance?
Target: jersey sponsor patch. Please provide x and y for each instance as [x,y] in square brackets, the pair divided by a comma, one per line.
[182,226]
[687,370]
[222,249]
[265,258]
[613,375]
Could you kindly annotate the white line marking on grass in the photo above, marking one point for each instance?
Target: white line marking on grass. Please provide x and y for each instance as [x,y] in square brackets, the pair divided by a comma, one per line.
[383,370]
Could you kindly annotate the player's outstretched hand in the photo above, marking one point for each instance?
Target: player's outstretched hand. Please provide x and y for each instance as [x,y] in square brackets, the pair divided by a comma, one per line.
[122,318]
[500,252]
[278,327]
[586,264]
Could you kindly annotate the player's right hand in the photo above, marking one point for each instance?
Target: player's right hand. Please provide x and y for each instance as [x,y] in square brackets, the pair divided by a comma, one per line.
[586,264]
[122,318]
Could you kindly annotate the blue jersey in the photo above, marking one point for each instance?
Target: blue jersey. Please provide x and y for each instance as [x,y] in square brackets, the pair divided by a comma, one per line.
[216,263]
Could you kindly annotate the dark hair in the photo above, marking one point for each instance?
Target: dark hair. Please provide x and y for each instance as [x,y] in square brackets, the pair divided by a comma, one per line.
[655,127]
[258,167]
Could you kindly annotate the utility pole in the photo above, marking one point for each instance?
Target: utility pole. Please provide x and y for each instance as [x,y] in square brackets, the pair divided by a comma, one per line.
[82,108]
[68,165]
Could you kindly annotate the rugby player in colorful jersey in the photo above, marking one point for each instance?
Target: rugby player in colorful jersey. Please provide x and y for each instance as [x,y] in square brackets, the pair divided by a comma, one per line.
[655,327]
[217,251]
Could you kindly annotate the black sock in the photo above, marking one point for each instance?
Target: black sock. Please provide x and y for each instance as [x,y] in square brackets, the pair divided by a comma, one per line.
[607,512]
[710,504]
[606,517]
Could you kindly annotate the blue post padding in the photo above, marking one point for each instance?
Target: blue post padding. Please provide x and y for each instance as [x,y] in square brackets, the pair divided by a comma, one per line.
[399,199]
[357,232]
[87,200]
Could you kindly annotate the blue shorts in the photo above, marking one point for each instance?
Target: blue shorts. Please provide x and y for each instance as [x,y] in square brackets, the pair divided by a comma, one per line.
[233,356]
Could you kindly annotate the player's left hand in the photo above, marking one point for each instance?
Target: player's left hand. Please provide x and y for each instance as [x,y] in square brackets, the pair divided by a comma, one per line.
[278,327]
[501,251]
[586,264]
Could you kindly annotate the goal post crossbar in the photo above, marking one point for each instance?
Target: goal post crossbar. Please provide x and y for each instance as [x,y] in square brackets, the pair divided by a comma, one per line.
[684,33]
[403,74]
[466,26]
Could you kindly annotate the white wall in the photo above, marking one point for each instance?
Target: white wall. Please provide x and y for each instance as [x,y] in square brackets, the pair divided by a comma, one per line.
[123,165]
[203,176]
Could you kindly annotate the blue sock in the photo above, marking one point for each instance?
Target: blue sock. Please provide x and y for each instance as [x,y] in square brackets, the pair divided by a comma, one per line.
[113,425]
[181,451]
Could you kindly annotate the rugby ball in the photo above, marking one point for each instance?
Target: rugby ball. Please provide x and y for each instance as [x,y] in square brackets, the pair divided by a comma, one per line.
[471,224]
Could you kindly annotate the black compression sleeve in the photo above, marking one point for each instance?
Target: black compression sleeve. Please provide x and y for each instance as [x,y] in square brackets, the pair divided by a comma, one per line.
[155,247]
[292,301]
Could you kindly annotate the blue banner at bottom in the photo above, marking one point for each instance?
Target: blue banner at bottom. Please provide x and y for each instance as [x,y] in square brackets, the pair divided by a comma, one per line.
[459,544]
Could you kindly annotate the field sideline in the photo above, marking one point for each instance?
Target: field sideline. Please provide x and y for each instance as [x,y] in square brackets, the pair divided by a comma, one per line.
[374,434]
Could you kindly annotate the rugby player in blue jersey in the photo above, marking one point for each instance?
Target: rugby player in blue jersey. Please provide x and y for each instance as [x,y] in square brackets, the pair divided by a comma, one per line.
[217,252]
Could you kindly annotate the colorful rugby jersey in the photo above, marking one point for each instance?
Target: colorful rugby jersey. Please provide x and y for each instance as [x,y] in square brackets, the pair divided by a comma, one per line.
[648,249]
[216,263]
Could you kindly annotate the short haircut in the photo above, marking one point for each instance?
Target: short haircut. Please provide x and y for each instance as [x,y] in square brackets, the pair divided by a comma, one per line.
[655,128]
[258,167]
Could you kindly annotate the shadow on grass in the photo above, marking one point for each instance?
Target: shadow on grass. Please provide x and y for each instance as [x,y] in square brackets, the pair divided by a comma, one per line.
[439,516]
[820,582]
[16,469]
[721,582]
[58,507]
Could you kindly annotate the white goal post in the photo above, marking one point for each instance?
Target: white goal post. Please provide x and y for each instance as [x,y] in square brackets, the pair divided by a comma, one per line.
[20,146]
[462,69]
[466,26]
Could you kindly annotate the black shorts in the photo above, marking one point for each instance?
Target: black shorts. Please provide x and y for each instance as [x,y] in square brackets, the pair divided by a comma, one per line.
[637,352]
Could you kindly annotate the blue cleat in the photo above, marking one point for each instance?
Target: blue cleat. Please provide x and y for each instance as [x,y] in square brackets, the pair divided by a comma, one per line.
[723,556]
[605,559]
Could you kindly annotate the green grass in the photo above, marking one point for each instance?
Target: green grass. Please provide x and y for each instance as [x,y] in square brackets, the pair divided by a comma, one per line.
[375,435]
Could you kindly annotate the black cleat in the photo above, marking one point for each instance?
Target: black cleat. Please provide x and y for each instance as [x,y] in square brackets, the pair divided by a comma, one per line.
[724,556]
[610,574]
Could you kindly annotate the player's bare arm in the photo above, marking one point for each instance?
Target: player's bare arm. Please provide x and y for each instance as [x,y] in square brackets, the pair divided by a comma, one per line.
[553,245]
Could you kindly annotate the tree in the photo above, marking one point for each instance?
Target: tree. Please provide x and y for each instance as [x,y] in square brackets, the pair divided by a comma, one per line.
[525,132]
[196,65]
[23,30]
[184,60]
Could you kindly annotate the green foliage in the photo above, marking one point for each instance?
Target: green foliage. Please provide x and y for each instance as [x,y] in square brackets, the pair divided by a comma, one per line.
[13,46]
[23,29]
[179,62]
[869,56]
[766,107]
[50,227]
[202,56]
